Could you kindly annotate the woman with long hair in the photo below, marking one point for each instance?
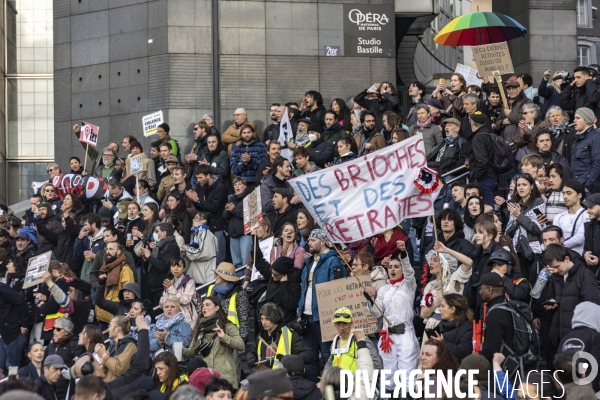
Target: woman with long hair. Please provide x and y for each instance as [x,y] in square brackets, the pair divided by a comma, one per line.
[134,222]
[436,358]
[176,208]
[215,338]
[167,374]
[264,231]
[398,135]
[72,204]
[432,134]
[150,216]
[183,287]
[289,247]
[347,150]
[563,135]
[501,239]
[240,244]
[474,209]
[343,113]
[522,225]
[456,328]
[305,224]
[452,98]
[50,196]
[201,250]
[90,336]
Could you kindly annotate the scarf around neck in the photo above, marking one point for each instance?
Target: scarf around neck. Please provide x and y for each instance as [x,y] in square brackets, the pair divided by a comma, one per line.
[113,270]
[167,323]
[424,125]
[384,249]
[222,291]
[558,129]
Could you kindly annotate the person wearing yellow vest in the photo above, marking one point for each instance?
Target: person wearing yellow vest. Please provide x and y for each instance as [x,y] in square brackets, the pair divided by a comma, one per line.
[344,347]
[228,290]
[275,341]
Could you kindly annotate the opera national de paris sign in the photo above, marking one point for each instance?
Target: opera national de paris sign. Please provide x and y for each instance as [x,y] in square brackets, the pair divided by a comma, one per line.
[369,30]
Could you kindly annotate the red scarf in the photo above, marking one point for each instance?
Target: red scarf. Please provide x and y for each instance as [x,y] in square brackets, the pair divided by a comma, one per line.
[394,281]
[384,249]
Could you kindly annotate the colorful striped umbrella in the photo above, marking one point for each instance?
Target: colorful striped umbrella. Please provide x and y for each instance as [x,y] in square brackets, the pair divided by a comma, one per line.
[480,28]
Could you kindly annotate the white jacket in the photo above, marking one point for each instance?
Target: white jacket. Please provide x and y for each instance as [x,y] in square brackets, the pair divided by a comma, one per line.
[397,300]
[364,362]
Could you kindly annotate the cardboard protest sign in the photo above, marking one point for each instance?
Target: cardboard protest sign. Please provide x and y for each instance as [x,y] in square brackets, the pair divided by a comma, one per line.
[469,73]
[368,195]
[88,186]
[492,57]
[253,215]
[265,246]
[89,134]
[344,293]
[136,164]
[151,123]
[36,268]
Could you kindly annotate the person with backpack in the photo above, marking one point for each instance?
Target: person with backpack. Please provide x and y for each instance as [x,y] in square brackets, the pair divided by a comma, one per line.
[570,284]
[498,326]
[490,156]
[515,286]
[452,153]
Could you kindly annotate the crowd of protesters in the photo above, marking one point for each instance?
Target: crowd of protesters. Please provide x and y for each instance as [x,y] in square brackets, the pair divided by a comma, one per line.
[505,279]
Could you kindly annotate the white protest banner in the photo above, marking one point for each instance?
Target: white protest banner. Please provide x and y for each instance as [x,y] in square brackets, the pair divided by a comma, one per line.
[253,215]
[151,122]
[89,134]
[368,195]
[492,57]
[286,134]
[265,246]
[36,268]
[469,73]
[344,292]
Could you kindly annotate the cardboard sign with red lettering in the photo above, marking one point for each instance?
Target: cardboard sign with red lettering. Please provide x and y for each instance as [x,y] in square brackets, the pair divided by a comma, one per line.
[89,134]
[368,195]
[348,293]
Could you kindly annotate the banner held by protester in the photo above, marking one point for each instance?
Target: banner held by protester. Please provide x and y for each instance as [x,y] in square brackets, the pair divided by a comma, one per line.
[151,123]
[253,215]
[368,195]
[90,187]
[36,268]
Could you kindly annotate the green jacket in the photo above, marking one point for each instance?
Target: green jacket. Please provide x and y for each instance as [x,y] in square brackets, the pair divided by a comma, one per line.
[332,136]
[221,355]
[300,171]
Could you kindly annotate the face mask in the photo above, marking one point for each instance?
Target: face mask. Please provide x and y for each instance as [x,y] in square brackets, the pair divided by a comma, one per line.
[312,137]
[155,237]
[134,218]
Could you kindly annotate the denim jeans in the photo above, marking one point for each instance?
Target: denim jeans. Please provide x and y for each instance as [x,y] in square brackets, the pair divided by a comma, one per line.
[10,354]
[222,246]
[312,340]
[489,186]
[240,249]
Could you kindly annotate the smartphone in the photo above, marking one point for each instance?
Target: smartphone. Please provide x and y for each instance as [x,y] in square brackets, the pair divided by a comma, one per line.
[537,212]
[432,332]
[372,89]
[12,371]
[442,81]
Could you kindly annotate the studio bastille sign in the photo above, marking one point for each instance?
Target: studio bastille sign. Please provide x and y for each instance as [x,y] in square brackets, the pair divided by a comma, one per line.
[369,30]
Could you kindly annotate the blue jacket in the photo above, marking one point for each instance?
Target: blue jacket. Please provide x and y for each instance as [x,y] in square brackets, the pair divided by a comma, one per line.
[328,268]
[180,332]
[585,158]
[258,155]
[551,96]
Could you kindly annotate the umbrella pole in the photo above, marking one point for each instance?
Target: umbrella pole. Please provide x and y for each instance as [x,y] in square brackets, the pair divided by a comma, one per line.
[501,88]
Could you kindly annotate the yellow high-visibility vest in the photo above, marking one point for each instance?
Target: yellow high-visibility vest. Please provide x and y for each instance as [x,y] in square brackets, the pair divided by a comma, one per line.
[232,315]
[284,345]
[345,358]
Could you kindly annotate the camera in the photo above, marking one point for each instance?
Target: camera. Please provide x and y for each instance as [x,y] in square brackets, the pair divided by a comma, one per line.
[565,76]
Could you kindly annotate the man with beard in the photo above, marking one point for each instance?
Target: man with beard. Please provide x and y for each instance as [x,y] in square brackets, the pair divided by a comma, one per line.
[278,177]
[108,164]
[110,235]
[312,107]
[248,155]
[217,158]
[322,266]
[283,212]
[273,129]
[94,155]
[49,223]
[233,133]
[115,273]
[117,200]
[301,134]
[273,151]
[201,130]
[368,139]
[89,242]
[543,142]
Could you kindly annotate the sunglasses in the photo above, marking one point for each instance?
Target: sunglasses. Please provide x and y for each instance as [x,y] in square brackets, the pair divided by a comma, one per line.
[342,315]
[41,203]
[58,329]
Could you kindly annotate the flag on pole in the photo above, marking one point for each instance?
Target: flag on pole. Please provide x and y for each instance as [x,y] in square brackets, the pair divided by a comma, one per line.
[286,134]
[427,181]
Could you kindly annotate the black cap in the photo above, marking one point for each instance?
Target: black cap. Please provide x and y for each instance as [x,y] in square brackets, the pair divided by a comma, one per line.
[491,279]
[315,128]
[307,121]
[283,265]
[501,256]
[285,193]
[478,117]
[592,200]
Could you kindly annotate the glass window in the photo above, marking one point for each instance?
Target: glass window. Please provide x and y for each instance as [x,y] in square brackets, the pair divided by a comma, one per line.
[30,111]
[582,13]
[584,55]
[20,176]
[30,37]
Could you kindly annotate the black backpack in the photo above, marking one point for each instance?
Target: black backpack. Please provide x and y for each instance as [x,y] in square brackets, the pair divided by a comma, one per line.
[524,351]
[503,159]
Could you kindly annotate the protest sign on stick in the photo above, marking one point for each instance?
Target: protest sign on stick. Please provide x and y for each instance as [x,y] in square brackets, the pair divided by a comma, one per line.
[368,195]
[265,247]
[88,135]
[493,57]
[345,292]
[151,123]
[253,215]
[36,268]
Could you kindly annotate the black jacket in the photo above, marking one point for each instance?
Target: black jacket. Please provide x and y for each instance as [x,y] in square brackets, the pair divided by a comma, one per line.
[11,317]
[212,199]
[63,242]
[159,267]
[46,390]
[552,157]
[459,339]
[235,217]
[271,132]
[27,253]
[120,307]
[379,105]
[481,158]
[52,226]
[454,156]
[316,116]
[592,243]
[579,286]
[573,98]
[321,152]
[304,389]
[278,219]
[298,347]
[68,350]
[480,267]
[498,329]
[285,294]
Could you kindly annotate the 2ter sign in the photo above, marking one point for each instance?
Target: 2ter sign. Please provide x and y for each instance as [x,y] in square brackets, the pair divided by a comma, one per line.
[369,30]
